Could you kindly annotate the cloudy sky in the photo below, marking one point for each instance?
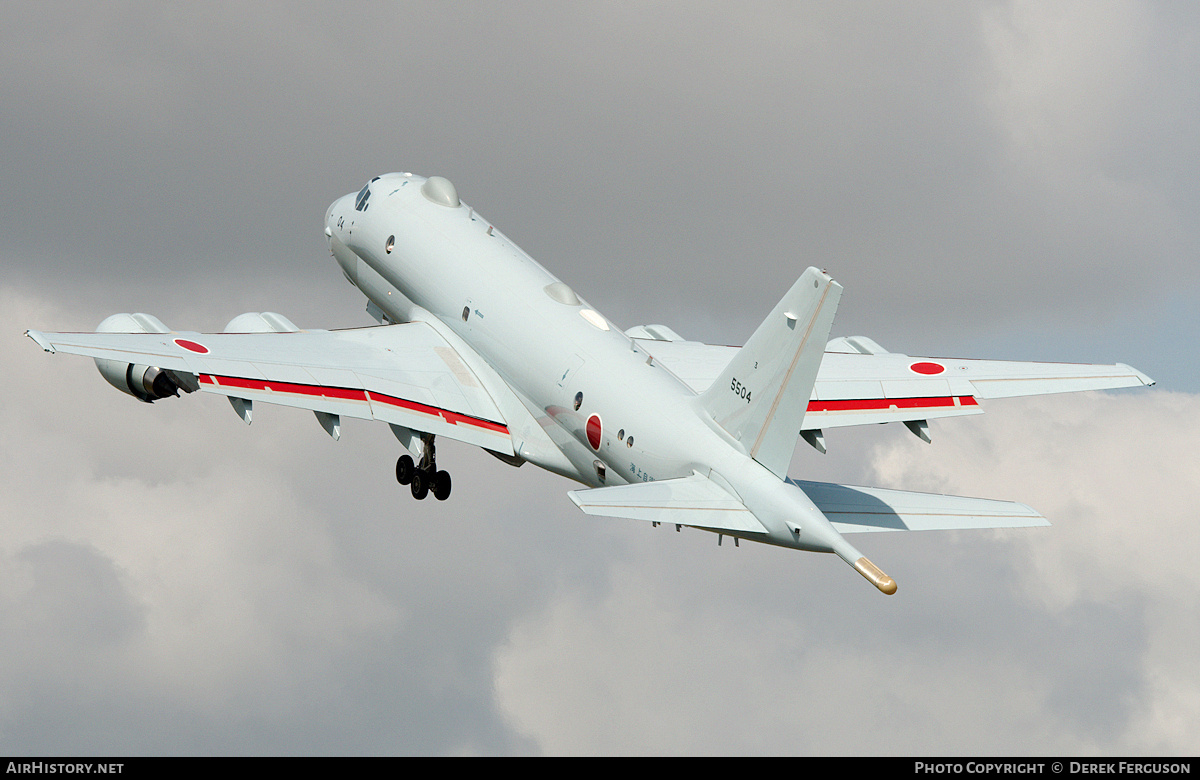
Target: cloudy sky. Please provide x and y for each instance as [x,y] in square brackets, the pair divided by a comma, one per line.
[994,179]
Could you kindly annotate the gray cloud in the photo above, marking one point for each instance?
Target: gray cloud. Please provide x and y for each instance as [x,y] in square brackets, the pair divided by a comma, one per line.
[1063,640]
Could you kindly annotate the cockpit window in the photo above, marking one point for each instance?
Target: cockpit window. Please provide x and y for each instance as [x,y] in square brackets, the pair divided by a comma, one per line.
[360,203]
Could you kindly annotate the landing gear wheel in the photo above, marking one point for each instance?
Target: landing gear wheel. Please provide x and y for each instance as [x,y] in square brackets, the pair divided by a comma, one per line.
[420,484]
[441,486]
[405,468]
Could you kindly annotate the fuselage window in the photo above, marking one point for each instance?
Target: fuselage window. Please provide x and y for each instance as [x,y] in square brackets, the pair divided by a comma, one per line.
[360,203]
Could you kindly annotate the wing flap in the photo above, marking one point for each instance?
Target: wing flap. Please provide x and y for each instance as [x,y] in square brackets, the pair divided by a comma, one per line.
[852,509]
[694,501]
[343,401]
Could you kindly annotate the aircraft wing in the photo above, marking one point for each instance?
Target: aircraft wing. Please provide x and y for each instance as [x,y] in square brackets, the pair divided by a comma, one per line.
[403,374]
[860,383]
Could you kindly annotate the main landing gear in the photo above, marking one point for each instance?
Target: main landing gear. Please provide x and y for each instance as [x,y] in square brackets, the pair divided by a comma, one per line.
[423,478]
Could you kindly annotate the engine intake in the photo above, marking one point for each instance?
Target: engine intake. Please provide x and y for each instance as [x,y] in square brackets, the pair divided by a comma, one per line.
[145,383]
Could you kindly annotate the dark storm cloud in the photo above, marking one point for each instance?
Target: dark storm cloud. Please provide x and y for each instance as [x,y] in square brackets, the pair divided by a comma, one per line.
[709,152]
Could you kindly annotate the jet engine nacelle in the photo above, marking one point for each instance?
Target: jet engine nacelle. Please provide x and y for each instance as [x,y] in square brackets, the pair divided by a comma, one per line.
[145,383]
[261,322]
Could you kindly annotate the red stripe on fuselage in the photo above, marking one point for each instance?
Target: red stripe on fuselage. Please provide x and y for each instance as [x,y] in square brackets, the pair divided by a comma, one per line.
[351,394]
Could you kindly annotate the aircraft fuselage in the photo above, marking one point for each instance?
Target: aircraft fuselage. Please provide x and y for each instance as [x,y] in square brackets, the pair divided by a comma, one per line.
[418,258]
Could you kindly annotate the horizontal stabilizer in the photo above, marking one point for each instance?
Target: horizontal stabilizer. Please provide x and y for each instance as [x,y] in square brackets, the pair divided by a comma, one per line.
[853,509]
[694,501]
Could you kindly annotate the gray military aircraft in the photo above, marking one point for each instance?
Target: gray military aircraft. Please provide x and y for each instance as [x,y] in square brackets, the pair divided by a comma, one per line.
[479,343]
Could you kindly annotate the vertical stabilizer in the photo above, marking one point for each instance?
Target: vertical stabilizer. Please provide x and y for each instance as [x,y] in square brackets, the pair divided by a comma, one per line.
[761,397]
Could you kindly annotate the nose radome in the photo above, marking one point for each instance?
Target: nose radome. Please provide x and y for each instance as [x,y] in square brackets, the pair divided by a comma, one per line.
[338,207]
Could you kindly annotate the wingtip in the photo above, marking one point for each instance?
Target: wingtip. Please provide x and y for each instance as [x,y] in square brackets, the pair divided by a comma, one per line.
[40,339]
[1143,378]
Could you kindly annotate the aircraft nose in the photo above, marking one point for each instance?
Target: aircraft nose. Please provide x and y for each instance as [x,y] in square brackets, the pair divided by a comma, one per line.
[333,234]
[335,213]
[329,219]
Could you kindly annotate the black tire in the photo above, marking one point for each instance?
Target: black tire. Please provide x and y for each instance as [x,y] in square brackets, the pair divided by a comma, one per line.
[420,485]
[405,468]
[441,486]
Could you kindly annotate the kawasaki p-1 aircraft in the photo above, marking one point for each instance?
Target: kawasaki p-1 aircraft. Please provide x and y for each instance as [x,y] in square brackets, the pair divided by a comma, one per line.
[479,343]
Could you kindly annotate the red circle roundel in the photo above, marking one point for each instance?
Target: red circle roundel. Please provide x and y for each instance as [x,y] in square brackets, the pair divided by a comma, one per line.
[929,369]
[593,431]
[192,346]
